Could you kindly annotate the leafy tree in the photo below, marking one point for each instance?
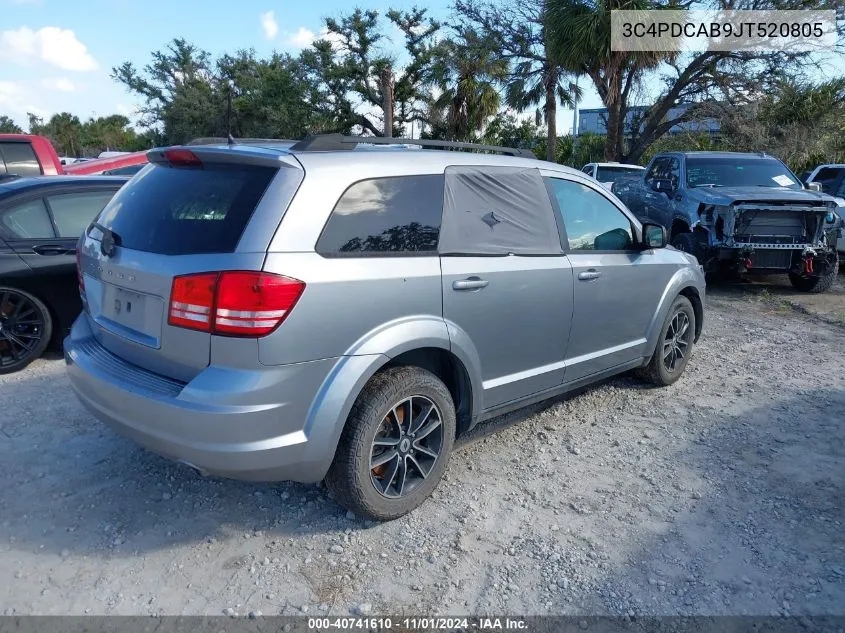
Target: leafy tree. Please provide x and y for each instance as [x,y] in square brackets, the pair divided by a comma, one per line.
[272,98]
[36,123]
[468,72]
[507,130]
[519,35]
[180,91]
[107,133]
[186,94]
[579,37]
[64,130]
[8,126]
[800,122]
[356,77]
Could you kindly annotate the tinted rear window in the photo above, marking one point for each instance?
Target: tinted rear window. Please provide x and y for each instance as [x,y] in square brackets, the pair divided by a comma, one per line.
[183,211]
[129,170]
[386,216]
[605,174]
[19,158]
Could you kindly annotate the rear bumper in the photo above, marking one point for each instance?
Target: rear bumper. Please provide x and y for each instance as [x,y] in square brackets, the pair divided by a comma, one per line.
[244,424]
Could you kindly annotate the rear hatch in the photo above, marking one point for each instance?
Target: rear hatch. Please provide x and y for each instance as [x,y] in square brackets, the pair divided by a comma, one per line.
[203,210]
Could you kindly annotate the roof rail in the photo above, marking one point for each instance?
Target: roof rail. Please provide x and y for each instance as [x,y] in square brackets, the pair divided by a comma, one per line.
[222,140]
[334,142]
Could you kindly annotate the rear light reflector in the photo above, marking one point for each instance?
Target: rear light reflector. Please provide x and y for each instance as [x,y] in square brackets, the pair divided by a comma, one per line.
[233,303]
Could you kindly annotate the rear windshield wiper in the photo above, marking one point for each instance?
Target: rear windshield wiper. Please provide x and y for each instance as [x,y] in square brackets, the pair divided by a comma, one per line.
[104,231]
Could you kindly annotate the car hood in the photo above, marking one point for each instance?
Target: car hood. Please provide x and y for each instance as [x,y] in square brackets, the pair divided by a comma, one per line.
[729,195]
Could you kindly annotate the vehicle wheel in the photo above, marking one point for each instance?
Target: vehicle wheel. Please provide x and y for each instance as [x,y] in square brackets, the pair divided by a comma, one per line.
[818,284]
[688,243]
[25,329]
[674,347]
[395,446]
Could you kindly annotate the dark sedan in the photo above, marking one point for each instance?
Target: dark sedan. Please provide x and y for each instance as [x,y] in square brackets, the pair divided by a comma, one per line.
[41,219]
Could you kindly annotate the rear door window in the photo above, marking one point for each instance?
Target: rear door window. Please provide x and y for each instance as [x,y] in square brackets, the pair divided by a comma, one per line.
[27,221]
[186,210]
[497,210]
[73,212]
[19,158]
[385,216]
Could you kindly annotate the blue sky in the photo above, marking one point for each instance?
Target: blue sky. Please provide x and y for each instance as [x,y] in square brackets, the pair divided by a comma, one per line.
[57,55]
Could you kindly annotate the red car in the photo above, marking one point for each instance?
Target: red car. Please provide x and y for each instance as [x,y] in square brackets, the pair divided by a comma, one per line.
[124,165]
[28,155]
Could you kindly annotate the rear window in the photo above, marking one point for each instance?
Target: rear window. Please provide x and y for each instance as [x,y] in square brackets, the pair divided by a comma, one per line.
[386,216]
[19,158]
[184,211]
[129,170]
[605,174]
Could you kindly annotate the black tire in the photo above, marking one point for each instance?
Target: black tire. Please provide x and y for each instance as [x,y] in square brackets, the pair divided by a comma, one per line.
[26,328]
[818,284]
[353,479]
[688,243]
[658,371]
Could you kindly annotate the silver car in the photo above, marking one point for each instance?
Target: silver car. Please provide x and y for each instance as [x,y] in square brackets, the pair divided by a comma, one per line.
[326,311]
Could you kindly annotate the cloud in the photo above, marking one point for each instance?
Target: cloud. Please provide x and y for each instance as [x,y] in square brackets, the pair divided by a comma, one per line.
[269,24]
[333,38]
[301,39]
[62,84]
[9,90]
[50,44]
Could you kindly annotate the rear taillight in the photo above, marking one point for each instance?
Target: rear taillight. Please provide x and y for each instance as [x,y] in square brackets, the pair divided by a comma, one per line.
[191,301]
[233,303]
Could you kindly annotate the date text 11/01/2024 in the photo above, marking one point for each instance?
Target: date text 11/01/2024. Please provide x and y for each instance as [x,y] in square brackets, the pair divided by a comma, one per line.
[420,623]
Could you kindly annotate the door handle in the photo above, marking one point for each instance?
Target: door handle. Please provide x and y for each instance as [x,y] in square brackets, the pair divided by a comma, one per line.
[587,275]
[50,249]
[473,283]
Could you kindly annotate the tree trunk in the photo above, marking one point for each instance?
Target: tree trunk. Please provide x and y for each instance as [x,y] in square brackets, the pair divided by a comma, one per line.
[615,128]
[551,114]
[387,101]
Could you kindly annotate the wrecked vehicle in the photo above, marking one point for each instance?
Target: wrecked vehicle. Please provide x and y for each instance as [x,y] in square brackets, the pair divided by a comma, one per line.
[739,212]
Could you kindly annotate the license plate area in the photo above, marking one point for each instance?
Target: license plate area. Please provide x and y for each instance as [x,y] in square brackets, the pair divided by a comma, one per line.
[132,315]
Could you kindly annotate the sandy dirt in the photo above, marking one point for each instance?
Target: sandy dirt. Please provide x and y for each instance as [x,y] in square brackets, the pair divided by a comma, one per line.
[722,494]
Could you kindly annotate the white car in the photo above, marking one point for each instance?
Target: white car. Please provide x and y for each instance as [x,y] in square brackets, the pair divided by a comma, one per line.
[608,173]
[831,180]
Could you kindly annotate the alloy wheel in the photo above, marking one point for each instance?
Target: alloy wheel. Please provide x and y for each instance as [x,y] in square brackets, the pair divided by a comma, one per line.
[676,342]
[406,446]
[21,328]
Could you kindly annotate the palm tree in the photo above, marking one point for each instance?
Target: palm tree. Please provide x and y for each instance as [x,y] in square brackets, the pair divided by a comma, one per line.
[579,41]
[532,84]
[469,74]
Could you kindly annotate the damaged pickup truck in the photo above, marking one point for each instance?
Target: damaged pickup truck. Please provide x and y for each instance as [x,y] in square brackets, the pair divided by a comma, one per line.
[739,212]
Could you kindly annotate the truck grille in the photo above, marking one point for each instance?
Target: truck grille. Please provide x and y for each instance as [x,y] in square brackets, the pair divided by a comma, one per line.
[772,258]
[770,227]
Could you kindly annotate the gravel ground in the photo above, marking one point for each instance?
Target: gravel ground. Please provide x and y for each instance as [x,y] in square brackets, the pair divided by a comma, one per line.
[720,495]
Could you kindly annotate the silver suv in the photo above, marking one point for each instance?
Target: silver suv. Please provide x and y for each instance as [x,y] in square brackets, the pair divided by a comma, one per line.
[333,311]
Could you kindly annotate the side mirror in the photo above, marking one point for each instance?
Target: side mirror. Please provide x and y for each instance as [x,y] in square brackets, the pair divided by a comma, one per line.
[663,185]
[814,186]
[654,235]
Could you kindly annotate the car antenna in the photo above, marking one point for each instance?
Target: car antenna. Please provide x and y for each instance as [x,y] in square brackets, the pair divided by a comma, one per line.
[230,140]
